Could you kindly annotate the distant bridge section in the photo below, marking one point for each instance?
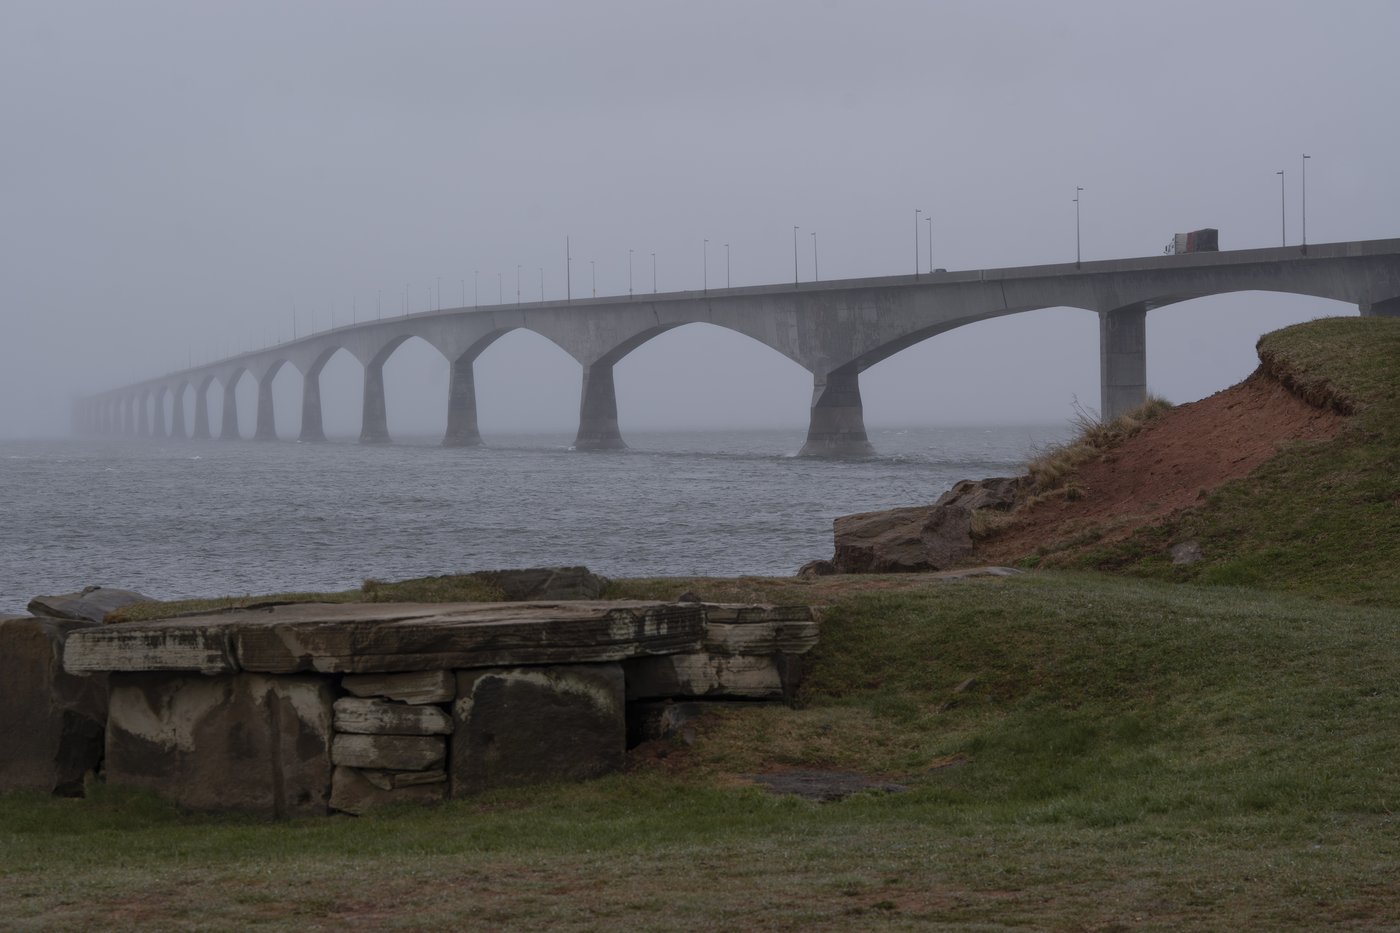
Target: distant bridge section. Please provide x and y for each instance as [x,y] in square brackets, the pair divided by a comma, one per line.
[834,329]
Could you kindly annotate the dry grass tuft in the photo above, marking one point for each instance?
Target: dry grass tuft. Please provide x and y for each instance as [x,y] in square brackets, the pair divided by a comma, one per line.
[1051,474]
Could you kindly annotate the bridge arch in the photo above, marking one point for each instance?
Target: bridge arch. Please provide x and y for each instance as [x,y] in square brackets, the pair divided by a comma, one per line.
[539,397]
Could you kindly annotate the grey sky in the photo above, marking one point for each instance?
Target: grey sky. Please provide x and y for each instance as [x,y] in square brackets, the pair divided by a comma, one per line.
[174,177]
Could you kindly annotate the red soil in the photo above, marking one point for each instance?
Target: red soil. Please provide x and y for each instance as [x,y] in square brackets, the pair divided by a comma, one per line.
[1169,466]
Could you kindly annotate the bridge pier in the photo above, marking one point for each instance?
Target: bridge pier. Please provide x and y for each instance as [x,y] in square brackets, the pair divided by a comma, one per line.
[311,430]
[837,426]
[177,414]
[267,419]
[228,429]
[201,413]
[124,417]
[158,415]
[1122,360]
[374,421]
[143,418]
[597,417]
[461,406]
[1387,308]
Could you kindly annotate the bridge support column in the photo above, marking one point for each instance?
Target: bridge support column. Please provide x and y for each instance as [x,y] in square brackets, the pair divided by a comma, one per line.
[461,407]
[837,426]
[201,413]
[374,422]
[177,414]
[1388,308]
[311,430]
[143,418]
[1122,360]
[158,415]
[124,417]
[267,420]
[228,428]
[597,416]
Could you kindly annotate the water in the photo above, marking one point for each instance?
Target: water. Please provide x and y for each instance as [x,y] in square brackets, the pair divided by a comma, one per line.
[181,518]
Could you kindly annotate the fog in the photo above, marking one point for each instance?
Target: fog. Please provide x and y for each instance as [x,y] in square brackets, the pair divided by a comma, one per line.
[181,181]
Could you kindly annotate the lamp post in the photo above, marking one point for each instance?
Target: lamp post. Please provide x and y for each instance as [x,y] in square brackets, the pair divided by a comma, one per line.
[1305,159]
[568,272]
[705,272]
[500,289]
[629,274]
[464,293]
[726,266]
[541,284]
[653,273]
[593,263]
[929,220]
[1076,227]
[439,293]
[517,283]
[794,257]
[476,287]
[816,273]
[917,212]
[1282,206]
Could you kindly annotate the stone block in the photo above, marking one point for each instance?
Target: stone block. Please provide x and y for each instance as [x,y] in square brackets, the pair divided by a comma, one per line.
[704,675]
[527,725]
[372,716]
[247,742]
[412,687]
[90,605]
[51,722]
[353,791]
[390,752]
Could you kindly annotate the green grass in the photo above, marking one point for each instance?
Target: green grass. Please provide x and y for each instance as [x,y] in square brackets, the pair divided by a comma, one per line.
[1131,754]
[1320,518]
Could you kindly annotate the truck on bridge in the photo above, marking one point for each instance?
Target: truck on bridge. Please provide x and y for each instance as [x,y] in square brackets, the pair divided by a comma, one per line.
[1206,240]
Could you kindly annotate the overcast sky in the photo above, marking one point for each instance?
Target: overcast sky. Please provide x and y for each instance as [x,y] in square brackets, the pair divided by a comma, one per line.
[176,177]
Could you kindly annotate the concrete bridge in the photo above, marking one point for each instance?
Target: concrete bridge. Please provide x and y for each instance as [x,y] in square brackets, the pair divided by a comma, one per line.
[833,329]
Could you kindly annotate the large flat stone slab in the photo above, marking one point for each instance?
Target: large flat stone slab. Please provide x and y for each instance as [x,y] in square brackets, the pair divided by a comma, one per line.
[359,638]
[51,722]
[234,742]
[529,725]
[91,605]
[367,716]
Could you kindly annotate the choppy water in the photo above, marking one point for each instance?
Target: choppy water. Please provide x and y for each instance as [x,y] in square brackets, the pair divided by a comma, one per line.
[183,518]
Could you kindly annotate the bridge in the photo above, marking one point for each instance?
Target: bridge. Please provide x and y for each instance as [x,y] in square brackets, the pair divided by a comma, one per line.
[835,330]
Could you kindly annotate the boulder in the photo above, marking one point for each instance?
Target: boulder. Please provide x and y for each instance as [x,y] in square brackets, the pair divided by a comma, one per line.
[233,742]
[526,725]
[903,540]
[354,791]
[51,722]
[999,493]
[546,583]
[90,605]
[816,568]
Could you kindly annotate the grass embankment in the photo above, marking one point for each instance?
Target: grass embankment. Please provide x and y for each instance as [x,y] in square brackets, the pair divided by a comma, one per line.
[1131,754]
[1322,517]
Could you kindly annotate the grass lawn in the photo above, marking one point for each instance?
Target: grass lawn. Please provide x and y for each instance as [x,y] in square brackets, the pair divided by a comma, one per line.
[1130,754]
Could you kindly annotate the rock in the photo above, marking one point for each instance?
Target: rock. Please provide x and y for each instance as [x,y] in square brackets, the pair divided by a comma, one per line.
[704,675]
[761,638]
[413,687]
[390,752]
[382,717]
[525,725]
[233,742]
[816,568]
[998,493]
[352,791]
[91,605]
[546,583]
[355,638]
[903,540]
[1186,553]
[51,722]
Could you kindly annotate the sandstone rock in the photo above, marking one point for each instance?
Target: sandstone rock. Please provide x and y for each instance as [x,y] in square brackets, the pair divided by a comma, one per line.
[526,725]
[91,605]
[235,742]
[997,492]
[389,752]
[357,638]
[547,583]
[51,722]
[816,568]
[413,687]
[703,675]
[903,540]
[382,717]
[352,791]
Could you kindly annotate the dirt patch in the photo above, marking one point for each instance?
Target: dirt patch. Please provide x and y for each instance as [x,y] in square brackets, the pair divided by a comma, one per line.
[1170,465]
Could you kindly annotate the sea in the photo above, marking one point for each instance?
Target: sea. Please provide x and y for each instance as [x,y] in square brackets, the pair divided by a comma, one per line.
[179,518]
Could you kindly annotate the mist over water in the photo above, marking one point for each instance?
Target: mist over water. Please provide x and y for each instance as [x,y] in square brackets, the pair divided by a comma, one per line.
[181,519]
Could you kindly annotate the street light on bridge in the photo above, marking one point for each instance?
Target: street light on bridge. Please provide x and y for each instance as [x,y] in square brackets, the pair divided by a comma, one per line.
[629,273]
[1077,190]
[794,256]
[917,212]
[705,274]
[816,274]
[1282,206]
[1305,159]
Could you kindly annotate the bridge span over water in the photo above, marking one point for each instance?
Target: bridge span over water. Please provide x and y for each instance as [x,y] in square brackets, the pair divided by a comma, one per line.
[834,329]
